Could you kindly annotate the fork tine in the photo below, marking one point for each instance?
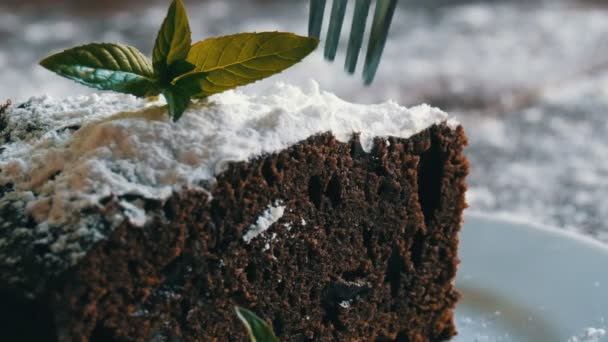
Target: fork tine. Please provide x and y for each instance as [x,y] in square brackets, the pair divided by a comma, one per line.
[338,9]
[356,35]
[382,21]
[315,19]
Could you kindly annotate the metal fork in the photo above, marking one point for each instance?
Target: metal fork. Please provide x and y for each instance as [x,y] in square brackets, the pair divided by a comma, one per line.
[383,16]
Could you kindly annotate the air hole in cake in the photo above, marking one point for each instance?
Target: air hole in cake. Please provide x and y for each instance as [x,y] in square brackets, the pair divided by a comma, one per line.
[312,294]
[367,241]
[25,320]
[402,336]
[252,273]
[173,271]
[152,205]
[102,334]
[332,316]
[430,171]
[277,325]
[334,190]
[354,275]
[185,309]
[280,166]
[217,212]
[109,247]
[315,191]
[240,298]
[335,295]
[311,254]
[41,249]
[388,189]
[269,172]
[267,275]
[342,290]
[280,288]
[170,210]
[394,267]
[417,249]
[132,266]
[356,149]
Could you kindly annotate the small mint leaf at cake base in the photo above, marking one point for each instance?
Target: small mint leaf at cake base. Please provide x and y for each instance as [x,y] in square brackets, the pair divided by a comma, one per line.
[177,102]
[173,40]
[258,329]
[227,62]
[106,66]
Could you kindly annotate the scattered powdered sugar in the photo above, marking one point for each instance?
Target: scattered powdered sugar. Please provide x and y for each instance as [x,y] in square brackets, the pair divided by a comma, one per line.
[271,215]
[590,335]
[63,156]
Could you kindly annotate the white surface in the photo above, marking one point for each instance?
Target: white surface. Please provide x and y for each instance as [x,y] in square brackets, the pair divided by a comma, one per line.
[523,282]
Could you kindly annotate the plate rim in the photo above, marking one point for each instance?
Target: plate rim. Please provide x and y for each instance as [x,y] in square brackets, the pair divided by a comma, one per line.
[512,224]
[546,228]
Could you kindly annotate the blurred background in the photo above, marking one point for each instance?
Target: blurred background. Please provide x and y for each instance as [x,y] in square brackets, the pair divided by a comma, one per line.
[528,79]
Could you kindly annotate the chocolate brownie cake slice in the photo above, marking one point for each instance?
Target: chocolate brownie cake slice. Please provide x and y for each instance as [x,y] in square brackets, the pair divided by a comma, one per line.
[333,221]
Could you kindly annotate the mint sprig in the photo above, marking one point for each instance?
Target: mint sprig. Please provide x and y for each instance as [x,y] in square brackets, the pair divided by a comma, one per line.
[181,71]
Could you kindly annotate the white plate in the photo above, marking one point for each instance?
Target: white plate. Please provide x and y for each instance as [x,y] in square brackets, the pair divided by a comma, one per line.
[524,282]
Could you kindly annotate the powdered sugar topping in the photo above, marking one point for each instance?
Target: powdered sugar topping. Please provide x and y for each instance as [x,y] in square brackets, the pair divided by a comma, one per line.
[65,155]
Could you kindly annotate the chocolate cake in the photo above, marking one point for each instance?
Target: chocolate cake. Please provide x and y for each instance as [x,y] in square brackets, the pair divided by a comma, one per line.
[330,220]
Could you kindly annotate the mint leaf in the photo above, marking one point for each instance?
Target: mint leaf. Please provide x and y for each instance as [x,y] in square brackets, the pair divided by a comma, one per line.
[227,62]
[177,101]
[173,40]
[107,67]
[180,71]
[258,330]
[179,68]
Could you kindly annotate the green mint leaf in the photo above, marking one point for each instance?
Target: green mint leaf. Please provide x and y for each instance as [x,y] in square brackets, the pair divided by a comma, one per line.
[107,67]
[177,101]
[227,62]
[258,330]
[179,68]
[173,40]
